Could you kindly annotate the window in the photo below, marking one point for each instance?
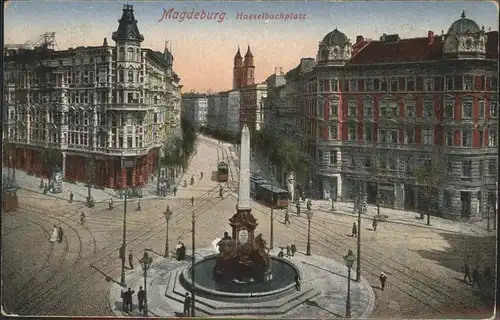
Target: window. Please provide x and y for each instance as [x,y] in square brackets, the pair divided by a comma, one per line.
[333,157]
[427,136]
[466,168]
[368,132]
[392,163]
[410,135]
[334,107]
[384,108]
[383,85]
[382,164]
[428,84]
[481,167]
[394,84]
[369,85]
[493,109]
[492,137]
[321,86]
[410,109]
[353,85]
[130,97]
[467,109]
[448,109]
[130,76]
[333,131]
[450,83]
[394,136]
[130,54]
[481,137]
[428,109]
[449,168]
[410,84]
[447,199]
[121,55]
[468,82]
[481,109]
[352,132]
[394,109]
[368,108]
[120,76]
[449,138]
[492,167]
[334,85]
[352,108]
[383,136]
[467,138]
[368,163]
[376,85]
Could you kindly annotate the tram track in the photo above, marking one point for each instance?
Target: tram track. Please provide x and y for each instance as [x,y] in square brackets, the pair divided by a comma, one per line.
[53,302]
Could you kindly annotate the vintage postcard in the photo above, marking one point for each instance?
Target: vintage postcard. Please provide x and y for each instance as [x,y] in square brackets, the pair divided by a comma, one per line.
[250,159]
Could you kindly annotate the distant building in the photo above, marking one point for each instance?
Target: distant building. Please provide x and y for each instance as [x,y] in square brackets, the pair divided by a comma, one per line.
[89,110]
[233,112]
[252,106]
[277,115]
[217,111]
[195,109]
[243,71]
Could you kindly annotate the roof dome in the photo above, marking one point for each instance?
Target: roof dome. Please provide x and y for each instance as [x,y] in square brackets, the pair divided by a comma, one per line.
[336,38]
[464,25]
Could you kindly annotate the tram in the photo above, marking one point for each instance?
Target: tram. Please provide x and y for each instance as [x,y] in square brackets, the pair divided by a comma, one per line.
[273,196]
[222,171]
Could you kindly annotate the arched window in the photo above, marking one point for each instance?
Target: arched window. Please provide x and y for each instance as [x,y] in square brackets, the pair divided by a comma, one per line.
[121,55]
[130,54]
[130,76]
[120,75]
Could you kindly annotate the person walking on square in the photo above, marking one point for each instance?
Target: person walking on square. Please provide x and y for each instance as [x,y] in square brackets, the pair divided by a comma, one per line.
[187,305]
[297,281]
[288,251]
[293,249]
[287,218]
[55,234]
[128,299]
[383,279]
[141,297]
[475,276]
[467,274]
[131,260]
[281,254]
[175,190]
[71,196]
[60,235]
[138,204]
[192,201]
[354,230]
[374,224]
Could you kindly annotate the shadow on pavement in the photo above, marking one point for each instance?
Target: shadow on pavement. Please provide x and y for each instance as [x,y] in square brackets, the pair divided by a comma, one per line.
[106,277]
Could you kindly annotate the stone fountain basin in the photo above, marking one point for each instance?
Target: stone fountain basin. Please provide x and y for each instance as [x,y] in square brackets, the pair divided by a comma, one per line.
[283,273]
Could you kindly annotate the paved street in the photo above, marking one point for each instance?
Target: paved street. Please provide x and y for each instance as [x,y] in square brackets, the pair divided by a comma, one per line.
[423,265]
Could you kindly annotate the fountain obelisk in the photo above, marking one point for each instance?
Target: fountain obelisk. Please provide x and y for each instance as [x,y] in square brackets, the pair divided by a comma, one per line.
[244,177]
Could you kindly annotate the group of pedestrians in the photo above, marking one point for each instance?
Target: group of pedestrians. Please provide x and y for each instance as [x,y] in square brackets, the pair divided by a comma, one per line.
[475,278]
[127,300]
[57,234]
[355,227]
[290,251]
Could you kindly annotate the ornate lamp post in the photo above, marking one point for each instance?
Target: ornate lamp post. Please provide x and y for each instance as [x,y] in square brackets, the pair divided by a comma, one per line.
[168,214]
[309,215]
[349,260]
[145,261]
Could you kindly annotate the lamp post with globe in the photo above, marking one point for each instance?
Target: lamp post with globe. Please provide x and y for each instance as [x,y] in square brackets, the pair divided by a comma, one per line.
[145,262]
[349,260]
[168,214]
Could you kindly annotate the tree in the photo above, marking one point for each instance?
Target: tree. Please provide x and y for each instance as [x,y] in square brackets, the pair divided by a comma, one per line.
[188,141]
[430,176]
[51,159]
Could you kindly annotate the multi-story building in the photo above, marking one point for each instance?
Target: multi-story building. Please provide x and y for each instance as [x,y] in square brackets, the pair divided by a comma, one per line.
[252,106]
[233,112]
[276,113]
[217,111]
[375,112]
[195,109]
[90,110]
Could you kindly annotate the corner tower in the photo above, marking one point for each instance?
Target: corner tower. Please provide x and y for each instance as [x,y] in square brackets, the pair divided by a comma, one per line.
[248,69]
[237,70]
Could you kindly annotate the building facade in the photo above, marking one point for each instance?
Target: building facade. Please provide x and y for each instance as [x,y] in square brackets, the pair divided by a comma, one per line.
[252,106]
[243,70]
[217,111]
[276,113]
[195,109]
[374,113]
[90,110]
[233,111]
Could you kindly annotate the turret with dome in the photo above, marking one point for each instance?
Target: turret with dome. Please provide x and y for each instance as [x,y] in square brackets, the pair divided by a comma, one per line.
[465,39]
[336,48]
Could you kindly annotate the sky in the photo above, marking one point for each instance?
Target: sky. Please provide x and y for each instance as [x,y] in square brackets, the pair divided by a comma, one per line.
[204,49]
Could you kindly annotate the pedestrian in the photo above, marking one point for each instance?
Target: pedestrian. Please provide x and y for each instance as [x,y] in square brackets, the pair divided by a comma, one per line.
[297,281]
[467,274]
[374,224]
[354,230]
[138,204]
[127,296]
[71,196]
[281,254]
[293,249]
[287,218]
[298,209]
[141,297]
[178,250]
[175,190]
[475,276]
[131,260]
[110,204]
[82,218]
[60,235]
[383,278]
[187,305]
[288,251]
[55,234]
[192,201]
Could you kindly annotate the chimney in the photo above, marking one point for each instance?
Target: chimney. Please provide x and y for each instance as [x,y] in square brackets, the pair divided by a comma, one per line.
[430,36]
[359,39]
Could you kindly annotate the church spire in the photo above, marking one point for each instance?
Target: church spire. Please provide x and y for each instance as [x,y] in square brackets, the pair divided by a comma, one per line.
[249,53]
[127,27]
[238,54]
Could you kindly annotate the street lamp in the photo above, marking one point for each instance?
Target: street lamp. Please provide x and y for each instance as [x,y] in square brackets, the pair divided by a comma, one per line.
[361,209]
[168,214]
[145,261]
[309,215]
[349,260]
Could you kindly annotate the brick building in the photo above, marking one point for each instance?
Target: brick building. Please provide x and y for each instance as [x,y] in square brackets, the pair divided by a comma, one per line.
[89,109]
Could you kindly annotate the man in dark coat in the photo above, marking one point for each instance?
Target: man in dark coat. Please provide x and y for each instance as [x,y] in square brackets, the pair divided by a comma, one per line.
[127,296]
[141,297]
[383,279]
[293,249]
[374,224]
[467,274]
[175,190]
[70,196]
[192,201]
[354,230]
[297,282]
[287,218]
[298,209]
[131,260]
[187,305]
[60,235]
[288,251]
[281,254]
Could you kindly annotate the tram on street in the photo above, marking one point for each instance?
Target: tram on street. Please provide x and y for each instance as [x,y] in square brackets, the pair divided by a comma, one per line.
[273,196]
[222,171]
[255,182]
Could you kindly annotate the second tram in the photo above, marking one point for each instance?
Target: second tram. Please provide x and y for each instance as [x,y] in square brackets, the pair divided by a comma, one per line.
[222,171]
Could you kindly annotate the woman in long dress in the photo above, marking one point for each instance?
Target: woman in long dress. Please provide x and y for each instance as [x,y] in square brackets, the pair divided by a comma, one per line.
[55,234]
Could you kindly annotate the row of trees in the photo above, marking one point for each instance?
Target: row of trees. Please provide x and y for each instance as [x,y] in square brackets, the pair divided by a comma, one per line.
[224,135]
[177,151]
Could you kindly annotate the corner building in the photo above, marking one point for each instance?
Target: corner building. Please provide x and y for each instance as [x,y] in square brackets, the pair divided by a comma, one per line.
[91,109]
[389,106]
